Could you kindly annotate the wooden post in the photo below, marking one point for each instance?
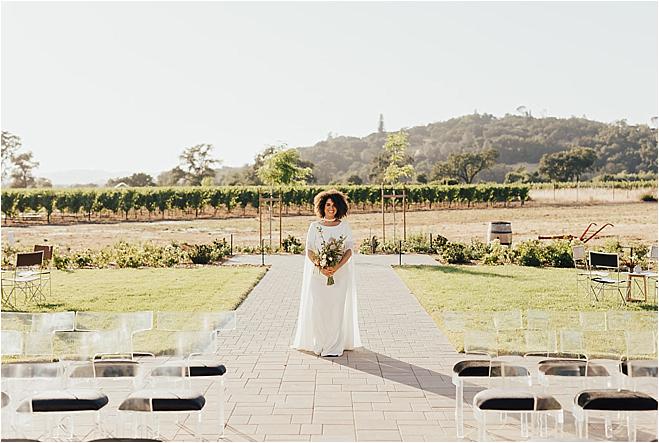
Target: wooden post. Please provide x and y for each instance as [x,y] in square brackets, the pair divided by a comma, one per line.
[280,203]
[260,221]
[270,218]
[404,216]
[382,189]
[393,205]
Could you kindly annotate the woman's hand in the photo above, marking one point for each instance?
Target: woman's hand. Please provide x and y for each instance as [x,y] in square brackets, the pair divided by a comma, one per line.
[328,271]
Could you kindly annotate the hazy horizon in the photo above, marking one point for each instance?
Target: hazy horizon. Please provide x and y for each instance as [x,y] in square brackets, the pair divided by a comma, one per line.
[86,88]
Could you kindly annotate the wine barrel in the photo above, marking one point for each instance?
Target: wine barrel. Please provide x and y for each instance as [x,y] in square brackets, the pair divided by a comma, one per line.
[501,231]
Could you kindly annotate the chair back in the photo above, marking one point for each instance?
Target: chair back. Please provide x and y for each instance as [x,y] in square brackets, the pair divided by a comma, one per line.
[578,253]
[571,343]
[129,322]
[196,321]
[87,345]
[480,343]
[16,321]
[159,342]
[53,321]
[603,260]
[27,259]
[536,319]
[507,320]
[592,320]
[11,342]
[47,251]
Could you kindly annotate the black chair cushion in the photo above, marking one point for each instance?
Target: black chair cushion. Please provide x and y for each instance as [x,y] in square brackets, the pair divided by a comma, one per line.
[124,439]
[571,368]
[615,400]
[5,399]
[481,368]
[163,400]
[65,400]
[514,400]
[197,369]
[207,370]
[642,368]
[106,369]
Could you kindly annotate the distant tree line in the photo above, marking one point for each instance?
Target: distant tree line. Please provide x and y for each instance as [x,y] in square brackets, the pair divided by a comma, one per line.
[469,149]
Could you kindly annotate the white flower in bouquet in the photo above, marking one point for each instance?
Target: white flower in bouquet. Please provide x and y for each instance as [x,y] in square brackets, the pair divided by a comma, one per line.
[330,252]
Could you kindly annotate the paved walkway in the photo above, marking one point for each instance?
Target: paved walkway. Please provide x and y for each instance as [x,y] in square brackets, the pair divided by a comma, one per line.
[396,387]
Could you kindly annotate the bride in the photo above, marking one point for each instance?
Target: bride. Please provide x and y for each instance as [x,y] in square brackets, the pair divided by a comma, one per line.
[327,322]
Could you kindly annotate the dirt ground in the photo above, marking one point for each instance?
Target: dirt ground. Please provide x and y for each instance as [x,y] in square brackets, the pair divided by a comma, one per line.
[633,221]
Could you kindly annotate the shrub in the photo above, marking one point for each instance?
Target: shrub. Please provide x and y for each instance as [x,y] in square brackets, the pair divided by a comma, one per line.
[200,254]
[648,198]
[558,254]
[454,253]
[292,245]
[369,245]
[529,253]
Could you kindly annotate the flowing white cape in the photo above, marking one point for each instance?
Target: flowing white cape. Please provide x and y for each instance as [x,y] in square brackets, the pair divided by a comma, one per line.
[349,325]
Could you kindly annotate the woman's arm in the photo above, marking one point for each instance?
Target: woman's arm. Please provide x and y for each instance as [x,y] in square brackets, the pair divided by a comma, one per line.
[344,259]
[313,257]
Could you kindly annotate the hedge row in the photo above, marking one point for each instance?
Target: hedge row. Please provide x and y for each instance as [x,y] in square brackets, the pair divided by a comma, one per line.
[640,184]
[158,200]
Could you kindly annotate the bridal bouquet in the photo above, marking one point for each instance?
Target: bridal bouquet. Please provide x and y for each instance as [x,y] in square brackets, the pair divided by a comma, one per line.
[330,253]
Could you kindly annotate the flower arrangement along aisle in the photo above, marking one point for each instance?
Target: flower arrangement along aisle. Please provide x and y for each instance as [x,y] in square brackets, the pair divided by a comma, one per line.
[330,253]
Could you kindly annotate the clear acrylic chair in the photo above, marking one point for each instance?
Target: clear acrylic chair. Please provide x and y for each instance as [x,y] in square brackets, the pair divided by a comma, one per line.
[479,349]
[536,319]
[191,364]
[613,401]
[196,321]
[592,320]
[639,366]
[53,321]
[507,320]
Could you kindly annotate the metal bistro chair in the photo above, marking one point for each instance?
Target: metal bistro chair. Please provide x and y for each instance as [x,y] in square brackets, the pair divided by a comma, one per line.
[583,271]
[599,284]
[26,279]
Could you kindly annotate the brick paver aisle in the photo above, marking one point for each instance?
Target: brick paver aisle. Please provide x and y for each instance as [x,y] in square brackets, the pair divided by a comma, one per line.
[397,387]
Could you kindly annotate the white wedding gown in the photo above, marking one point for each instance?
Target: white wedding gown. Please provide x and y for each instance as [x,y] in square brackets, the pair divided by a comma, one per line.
[327,321]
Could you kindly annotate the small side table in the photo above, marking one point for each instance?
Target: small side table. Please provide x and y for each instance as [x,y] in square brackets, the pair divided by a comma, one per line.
[641,285]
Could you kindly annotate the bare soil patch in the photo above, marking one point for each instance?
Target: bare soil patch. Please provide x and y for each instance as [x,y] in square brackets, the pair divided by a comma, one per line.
[633,221]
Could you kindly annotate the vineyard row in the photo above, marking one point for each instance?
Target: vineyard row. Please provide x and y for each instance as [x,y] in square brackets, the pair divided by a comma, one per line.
[120,202]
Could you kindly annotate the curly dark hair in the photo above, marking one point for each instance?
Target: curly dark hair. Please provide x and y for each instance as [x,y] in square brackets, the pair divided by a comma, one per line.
[339,199]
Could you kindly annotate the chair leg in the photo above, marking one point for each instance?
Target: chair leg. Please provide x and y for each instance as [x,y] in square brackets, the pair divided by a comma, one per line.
[608,428]
[524,424]
[459,410]
[482,426]
[631,427]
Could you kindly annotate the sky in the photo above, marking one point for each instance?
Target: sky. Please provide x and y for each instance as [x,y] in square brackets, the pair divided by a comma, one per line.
[127,86]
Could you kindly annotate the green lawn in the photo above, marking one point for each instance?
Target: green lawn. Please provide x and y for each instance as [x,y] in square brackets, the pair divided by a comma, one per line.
[206,288]
[481,289]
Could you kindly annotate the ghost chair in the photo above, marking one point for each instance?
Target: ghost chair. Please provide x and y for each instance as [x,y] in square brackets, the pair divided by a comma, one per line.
[613,404]
[536,319]
[639,366]
[126,323]
[511,393]
[571,368]
[592,320]
[480,365]
[171,388]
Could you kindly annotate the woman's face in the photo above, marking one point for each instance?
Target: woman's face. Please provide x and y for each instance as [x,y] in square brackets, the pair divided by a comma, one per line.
[330,209]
